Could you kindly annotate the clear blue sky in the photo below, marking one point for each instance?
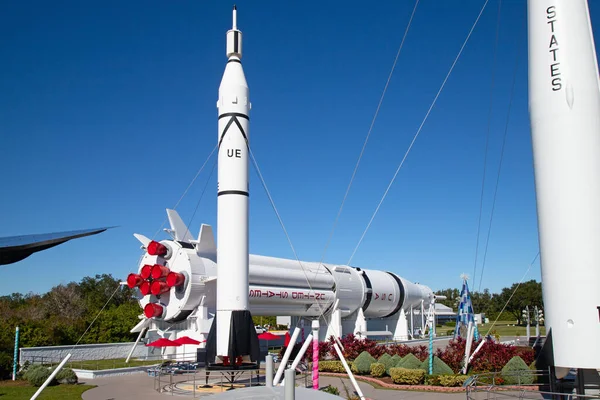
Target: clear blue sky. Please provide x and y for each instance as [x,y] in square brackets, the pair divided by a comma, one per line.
[107,110]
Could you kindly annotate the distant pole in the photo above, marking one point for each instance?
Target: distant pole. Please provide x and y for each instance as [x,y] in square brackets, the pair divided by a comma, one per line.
[537,322]
[528,324]
[16,355]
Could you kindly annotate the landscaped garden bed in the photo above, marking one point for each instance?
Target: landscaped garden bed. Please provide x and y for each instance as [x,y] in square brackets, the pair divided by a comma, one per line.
[407,367]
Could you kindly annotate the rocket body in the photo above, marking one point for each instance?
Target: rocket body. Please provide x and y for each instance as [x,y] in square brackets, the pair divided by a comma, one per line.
[232,204]
[564,105]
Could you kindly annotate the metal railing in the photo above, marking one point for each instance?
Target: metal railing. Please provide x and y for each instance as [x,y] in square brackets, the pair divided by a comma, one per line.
[103,364]
[533,385]
[190,378]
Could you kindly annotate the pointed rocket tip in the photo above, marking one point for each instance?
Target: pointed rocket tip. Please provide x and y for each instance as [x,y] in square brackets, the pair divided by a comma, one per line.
[234,7]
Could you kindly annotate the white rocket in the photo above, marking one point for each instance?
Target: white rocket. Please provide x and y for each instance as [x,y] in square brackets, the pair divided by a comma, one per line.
[232,205]
[564,103]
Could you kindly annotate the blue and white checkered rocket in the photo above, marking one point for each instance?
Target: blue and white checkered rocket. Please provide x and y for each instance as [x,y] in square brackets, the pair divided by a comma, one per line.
[465,311]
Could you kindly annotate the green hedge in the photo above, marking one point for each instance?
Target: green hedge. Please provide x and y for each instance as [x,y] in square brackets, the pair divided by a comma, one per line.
[333,366]
[388,361]
[404,376]
[362,364]
[37,375]
[66,375]
[410,361]
[517,372]
[452,380]
[439,367]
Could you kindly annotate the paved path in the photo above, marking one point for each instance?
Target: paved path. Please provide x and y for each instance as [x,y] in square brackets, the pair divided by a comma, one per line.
[141,386]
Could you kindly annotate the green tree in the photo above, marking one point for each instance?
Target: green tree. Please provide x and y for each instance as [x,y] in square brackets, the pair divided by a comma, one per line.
[526,294]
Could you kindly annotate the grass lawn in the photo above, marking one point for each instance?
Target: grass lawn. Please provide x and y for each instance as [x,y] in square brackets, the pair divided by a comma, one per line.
[502,328]
[505,328]
[21,390]
[110,364]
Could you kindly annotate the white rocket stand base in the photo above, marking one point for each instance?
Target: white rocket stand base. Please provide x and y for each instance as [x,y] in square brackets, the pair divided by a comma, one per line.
[334,327]
[401,331]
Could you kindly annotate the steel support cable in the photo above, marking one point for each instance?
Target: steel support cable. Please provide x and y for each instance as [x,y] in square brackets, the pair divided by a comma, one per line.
[364,146]
[96,317]
[419,129]
[187,189]
[511,98]
[487,141]
[272,202]
[513,293]
[197,203]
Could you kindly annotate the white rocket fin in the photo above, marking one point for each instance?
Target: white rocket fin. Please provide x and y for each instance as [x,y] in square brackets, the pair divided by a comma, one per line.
[178,227]
[143,239]
[206,242]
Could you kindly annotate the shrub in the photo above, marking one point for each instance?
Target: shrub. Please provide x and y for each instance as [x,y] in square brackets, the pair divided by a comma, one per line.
[388,361]
[6,364]
[325,349]
[333,366]
[403,350]
[492,357]
[409,362]
[453,355]
[432,380]
[66,375]
[533,369]
[331,390]
[377,370]
[362,364]
[453,380]
[517,372]
[439,367]
[403,376]
[353,347]
[526,353]
[37,375]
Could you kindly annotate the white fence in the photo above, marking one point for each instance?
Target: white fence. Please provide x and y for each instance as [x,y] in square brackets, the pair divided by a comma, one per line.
[102,351]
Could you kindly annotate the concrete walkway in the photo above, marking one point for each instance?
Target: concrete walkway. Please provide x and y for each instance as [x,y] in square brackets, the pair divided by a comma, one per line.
[141,386]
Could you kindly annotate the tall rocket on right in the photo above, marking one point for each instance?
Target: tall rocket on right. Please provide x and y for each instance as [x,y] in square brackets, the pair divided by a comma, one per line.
[564,106]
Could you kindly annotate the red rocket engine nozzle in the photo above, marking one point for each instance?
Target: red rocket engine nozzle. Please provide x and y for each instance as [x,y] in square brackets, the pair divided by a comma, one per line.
[159,287]
[145,288]
[153,310]
[175,279]
[159,271]
[156,249]
[146,271]
[134,280]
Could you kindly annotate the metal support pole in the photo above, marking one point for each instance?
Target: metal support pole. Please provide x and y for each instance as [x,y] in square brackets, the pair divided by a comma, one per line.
[430,351]
[52,375]
[412,317]
[269,371]
[286,356]
[302,351]
[16,355]
[348,371]
[134,345]
[315,371]
[290,384]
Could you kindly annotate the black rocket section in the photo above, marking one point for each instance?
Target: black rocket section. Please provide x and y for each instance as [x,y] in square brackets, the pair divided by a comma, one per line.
[243,341]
